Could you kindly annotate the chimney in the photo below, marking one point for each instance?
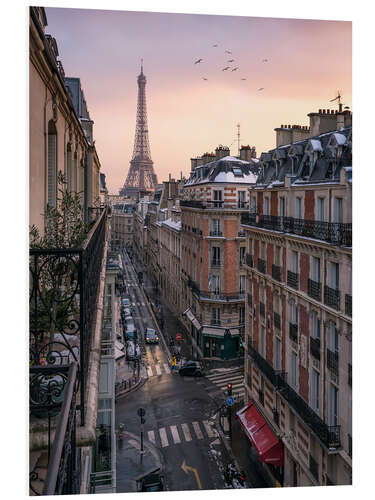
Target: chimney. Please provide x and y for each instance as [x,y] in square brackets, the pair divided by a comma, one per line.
[221,151]
[194,162]
[169,208]
[245,153]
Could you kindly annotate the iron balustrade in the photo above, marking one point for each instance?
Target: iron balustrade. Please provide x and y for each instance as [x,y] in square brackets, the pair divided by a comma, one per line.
[261,397]
[216,233]
[215,263]
[213,204]
[292,279]
[315,347]
[314,467]
[348,305]
[276,272]
[262,309]
[314,289]
[249,260]
[328,435]
[64,285]
[293,332]
[262,266]
[333,361]
[218,295]
[332,297]
[277,320]
[338,234]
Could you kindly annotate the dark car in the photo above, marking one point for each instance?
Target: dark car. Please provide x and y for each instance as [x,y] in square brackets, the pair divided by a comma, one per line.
[151,337]
[151,482]
[191,368]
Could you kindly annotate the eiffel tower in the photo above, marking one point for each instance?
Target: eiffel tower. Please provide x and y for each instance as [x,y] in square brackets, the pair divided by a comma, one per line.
[141,177]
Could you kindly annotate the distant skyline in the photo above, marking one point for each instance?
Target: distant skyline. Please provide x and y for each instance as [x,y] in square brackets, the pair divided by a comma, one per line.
[307,62]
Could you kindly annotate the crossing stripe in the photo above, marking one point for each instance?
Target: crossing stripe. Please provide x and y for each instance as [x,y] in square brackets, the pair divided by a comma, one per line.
[225,377]
[158,371]
[163,437]
[208,428]
[186,431]
[175,434]
[151,436]
[197,430]
[166,368]
[149,371]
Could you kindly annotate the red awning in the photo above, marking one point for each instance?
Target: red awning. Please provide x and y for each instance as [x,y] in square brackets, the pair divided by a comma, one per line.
[269,448]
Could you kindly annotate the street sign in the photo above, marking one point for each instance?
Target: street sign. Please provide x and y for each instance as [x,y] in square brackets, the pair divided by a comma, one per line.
[141,412]
[230,401]
[178,336]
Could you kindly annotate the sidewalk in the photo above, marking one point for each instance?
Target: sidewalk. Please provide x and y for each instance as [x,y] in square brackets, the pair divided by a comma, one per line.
[126,378]
[129,465]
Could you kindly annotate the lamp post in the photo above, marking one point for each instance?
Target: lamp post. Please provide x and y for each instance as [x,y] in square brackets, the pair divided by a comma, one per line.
[141,413]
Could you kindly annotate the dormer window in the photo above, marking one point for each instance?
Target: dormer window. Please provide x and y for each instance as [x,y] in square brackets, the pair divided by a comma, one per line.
[237,172]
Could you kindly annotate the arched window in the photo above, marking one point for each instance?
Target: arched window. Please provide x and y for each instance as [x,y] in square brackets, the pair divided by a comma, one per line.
[69,167]
[52,164]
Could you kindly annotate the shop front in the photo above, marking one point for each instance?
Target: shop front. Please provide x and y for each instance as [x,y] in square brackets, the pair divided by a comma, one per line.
[220,342]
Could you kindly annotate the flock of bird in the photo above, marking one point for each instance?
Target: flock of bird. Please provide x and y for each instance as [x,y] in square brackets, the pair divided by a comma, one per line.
[227,68]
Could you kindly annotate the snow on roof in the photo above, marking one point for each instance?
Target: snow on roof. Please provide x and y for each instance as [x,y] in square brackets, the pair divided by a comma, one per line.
[172,224]
[230,177]
[340,138]
[316,145]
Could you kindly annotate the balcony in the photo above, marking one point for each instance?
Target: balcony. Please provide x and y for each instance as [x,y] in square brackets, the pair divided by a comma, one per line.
[292,279]
[276,272]
[333,361]
[249,260]
[314,467]
[262,266]
[348,305]
[215,295]
[215,263]
[213,205]
[217,234]
[315,347]
[262,309]
[338,234]
[314,289]
[293,332]
[329,436]
[277,320]
[332,297]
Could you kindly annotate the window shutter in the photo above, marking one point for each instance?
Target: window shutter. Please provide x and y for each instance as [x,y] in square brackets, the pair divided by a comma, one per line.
[52,170]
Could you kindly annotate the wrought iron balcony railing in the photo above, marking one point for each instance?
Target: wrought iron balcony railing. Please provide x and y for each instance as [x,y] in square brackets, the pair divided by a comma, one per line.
[214,204]
[314,467]
[215,295]
[276,272]
[262,309]
[216,233]
[292,279]
[333,361]
[64,284]
[315,347]
[215,263]
[335,233]
[262,266]
[249,260]
[332,297]
[277,320]
[348,305]
[293,332]
[328,435]
[314,289]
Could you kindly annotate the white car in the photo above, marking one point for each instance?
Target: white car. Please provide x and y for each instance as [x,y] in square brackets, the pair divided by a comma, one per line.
[126,302]
[127,312]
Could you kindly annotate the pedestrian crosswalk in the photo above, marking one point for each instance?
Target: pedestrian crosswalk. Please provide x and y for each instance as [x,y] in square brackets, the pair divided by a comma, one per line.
[137,304]
[181,433]
[221,379]
[158,369]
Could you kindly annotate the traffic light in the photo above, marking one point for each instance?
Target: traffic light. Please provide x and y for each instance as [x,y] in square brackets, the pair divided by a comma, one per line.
[229,389]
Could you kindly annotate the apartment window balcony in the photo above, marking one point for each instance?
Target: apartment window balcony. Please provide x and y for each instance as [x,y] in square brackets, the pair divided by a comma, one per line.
[276,416]
[249,260]
[277,320]
[217,295]
[215,263]
[332,297]
[293,332]
[262,309]
[314,467]
[249,299]
[261,397]
[276,272]
[315,347]
[216,233]
[333,361]
[338,234]
[314,289]
[292,279]
[348,305]
[214,204]
[262,266]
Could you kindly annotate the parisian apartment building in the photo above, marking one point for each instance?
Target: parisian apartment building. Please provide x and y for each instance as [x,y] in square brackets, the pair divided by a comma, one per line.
[298,309]
[121,221]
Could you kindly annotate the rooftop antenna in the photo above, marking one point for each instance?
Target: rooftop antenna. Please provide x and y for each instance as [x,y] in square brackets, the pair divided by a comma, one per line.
[142,66]
[338,98]
[238,138]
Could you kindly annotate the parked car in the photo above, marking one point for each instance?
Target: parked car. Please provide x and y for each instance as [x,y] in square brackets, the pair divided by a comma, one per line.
[126,311]
[151,482]
[126,302]
[191,368]
[129,321]
[151,337]
[130,349]
[130,333]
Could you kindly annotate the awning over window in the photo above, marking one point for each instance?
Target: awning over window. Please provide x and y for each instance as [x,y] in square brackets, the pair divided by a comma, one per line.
[190,316]
[213,332]
[269,448]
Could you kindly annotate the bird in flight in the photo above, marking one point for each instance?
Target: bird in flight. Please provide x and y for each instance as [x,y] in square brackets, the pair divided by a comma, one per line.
[243,78]
[231,60]
[264,60]
[198,61]
[228,51]
[235,69]
[225,69]
[261,88]
[203,78]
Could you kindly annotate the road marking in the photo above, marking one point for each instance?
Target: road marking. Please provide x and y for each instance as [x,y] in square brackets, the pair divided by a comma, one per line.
[186,431]
[166,368]
[208,428]
[163,437]
[149,371]
[143,303]
[197,430]
[158,371]
[151,436]
[186,468]
[175,434]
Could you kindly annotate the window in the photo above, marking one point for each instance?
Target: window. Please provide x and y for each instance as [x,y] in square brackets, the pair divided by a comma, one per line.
[214,284]
[277,256]
[237,172]
[337,210]
[334,275]
[293,312]
[52,165]
[215,316]
[215,226]
[320,209]
[277,354]
[295,262]
[266,207]
[293,370]
[242,315]
[282,206]
[315,269]
[263,341]
[218,198]
[241,198]
[242,255]
[263,250]
[69,167]
[242,284]
[215,255]
[332,405]
[253,205]
[315,376]
[315,325]
[298,208]
[333,338]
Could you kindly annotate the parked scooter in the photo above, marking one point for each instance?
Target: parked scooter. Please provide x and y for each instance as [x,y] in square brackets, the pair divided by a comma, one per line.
[233,477]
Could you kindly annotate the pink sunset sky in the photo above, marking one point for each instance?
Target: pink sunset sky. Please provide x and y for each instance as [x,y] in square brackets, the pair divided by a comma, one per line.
[308,61]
